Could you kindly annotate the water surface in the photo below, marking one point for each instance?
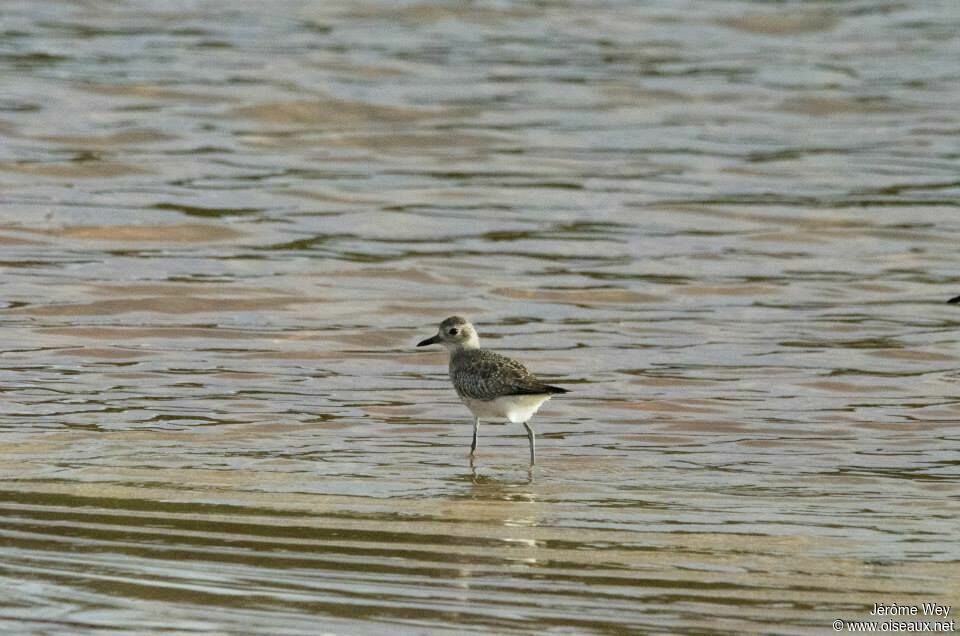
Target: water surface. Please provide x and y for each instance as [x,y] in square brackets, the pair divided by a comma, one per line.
[728,227]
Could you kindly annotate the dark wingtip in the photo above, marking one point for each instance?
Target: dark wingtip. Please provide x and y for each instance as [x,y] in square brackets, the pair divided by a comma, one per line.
[556,389]
[954,301]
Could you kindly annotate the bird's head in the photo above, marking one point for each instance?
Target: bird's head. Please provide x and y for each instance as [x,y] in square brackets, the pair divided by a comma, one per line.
[454,333]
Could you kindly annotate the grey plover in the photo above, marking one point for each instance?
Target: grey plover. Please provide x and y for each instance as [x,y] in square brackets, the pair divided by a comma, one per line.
[489,384]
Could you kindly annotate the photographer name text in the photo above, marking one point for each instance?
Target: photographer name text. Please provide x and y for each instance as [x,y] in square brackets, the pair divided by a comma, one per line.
[923,609]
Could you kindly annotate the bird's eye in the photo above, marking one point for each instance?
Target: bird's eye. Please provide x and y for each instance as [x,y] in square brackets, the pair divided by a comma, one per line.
[453,331]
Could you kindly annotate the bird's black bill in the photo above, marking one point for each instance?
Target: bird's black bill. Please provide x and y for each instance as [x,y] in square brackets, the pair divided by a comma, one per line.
[429,341]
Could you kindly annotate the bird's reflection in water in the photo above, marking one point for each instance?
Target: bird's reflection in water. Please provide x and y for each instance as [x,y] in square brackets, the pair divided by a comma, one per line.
[486,486]
[508,506]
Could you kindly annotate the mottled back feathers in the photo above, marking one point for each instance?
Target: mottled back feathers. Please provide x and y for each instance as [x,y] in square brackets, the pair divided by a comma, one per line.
[480,374]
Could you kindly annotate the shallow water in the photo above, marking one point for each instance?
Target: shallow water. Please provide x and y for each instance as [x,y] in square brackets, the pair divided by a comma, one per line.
[728,227]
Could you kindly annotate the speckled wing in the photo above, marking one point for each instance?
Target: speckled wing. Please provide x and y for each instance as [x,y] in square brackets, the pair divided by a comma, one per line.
[485,375]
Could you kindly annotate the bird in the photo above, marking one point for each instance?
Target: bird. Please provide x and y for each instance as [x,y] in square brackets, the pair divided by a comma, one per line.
[491,385]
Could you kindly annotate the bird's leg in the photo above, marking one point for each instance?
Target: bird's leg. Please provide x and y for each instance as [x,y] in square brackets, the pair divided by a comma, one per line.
[476,429]
[533,444]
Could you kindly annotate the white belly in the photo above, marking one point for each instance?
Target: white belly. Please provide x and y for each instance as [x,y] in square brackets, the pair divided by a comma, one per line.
[516,408]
